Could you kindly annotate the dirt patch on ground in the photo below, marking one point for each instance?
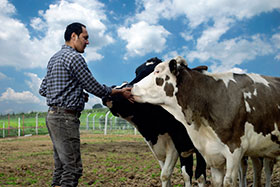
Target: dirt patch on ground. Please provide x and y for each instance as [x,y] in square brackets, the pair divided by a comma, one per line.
[112,160]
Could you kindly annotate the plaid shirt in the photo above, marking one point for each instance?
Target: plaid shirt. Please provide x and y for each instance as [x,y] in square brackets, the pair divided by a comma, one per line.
[67,76]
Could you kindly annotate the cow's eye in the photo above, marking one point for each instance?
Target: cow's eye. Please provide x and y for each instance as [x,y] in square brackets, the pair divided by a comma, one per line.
[156,72]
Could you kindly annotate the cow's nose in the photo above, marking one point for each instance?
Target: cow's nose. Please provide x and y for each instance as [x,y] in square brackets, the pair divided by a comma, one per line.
[137,90]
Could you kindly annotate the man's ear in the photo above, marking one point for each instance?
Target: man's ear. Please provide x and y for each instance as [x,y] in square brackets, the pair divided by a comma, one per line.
[74,36]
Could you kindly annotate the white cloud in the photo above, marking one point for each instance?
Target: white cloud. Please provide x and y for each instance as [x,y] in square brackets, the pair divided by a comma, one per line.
[3,76]
[201,11]
[221,14]
[171,55]
[24,97]
[92,101]
[187,36]
[6,7]
[20,50]
[143,38]
[34,83]
[154,10]
[211,35]
[276,41]
[232,52]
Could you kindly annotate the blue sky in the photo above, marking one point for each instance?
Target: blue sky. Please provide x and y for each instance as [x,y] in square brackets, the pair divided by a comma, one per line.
[241,36]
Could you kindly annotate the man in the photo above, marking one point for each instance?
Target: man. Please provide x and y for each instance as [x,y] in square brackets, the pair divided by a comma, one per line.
[63,86]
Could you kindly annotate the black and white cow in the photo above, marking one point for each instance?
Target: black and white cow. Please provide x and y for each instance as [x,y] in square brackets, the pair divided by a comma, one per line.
[226,115]
[166,137]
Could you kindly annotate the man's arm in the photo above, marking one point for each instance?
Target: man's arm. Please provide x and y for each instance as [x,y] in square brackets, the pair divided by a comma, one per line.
[85,78]
[43,88]
[91,85]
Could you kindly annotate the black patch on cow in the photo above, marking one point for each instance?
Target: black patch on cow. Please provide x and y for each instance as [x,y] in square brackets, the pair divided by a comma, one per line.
[167,78]
[159,81]
[169,89]
[153,62]
[173,67]
[143,70]
[275,139]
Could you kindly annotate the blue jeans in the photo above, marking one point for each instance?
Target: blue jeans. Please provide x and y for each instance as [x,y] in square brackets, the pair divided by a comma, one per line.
[65,135]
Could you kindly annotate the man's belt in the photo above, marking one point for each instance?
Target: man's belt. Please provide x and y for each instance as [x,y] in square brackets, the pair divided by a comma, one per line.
[60,109]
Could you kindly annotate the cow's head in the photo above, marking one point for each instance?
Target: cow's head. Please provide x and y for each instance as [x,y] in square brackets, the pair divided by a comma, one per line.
[160,86]
[120,106]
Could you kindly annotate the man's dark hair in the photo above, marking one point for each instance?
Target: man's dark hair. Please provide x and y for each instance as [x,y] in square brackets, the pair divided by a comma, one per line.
[73,27]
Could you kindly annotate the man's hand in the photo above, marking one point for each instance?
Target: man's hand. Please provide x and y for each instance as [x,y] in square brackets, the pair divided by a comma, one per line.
[126,92]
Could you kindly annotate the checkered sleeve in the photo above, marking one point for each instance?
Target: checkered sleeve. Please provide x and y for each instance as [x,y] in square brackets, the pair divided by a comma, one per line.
[85,77]
[43,88]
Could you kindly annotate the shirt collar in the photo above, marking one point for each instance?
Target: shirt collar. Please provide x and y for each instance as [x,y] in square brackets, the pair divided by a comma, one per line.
[67,47]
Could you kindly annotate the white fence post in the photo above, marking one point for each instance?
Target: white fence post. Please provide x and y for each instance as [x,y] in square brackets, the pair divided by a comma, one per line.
[93,122]
[106,123]
[111,122]
[135,131]
[18,126]
[3,129]
[99,121]
[87,121]
[36,124]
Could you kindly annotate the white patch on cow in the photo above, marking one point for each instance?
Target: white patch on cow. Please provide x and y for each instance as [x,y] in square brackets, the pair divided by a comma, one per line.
[256,144]
[248,95]
[225,77]
[248,109]
[186,177]
[255,92]
[258,79]
[163,145]
[124,83]
[149,63]
[276,131]
[278,107]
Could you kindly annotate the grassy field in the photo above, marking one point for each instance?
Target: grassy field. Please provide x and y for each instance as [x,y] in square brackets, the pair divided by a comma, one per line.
[30,118]
[28,122]
[112,160]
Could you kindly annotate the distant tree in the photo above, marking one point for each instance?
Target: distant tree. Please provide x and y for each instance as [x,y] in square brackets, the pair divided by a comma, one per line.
[97,106]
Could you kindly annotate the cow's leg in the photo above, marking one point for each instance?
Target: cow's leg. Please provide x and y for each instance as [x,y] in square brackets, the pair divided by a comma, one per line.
[232,164]
[187,169]
[200,170]
[169,164]
[268,168]
[217,176]
[160,153]
[257,166]
[243,171]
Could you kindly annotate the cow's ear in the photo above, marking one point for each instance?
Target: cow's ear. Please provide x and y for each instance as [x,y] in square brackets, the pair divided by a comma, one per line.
[181,60]
[173,67]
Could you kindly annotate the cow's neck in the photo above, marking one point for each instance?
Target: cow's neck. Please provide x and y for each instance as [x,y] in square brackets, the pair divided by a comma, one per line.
[204,102]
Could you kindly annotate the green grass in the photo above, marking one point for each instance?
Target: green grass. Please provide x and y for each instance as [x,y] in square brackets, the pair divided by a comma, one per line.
[28,123]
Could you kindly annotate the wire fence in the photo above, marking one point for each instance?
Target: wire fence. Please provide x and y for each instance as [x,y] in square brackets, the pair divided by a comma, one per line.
[35,124]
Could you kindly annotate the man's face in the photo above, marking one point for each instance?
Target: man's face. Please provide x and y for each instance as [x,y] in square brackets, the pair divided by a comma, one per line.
[81,41]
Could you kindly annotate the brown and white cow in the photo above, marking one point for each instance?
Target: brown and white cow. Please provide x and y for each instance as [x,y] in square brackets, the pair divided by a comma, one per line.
[226,115]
